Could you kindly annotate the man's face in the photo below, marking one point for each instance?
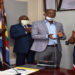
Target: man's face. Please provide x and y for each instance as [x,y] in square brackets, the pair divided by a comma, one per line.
[24,20]
[50,13]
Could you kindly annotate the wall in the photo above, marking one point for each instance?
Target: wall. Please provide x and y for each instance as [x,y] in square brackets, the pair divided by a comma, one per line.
[67,18]
[35,12]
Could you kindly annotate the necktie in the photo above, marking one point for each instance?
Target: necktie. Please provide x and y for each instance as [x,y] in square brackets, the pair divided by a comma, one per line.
[25,26]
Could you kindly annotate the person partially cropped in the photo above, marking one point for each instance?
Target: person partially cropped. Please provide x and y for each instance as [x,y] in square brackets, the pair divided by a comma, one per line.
[72,41]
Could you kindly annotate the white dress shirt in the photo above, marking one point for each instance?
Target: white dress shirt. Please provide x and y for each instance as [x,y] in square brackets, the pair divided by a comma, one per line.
[51,30]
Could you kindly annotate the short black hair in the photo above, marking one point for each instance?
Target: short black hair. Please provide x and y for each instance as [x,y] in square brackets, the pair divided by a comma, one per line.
[22,18]
[50,10]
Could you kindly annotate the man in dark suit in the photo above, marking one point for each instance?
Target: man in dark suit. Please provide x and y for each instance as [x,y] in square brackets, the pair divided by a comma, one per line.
[22,34]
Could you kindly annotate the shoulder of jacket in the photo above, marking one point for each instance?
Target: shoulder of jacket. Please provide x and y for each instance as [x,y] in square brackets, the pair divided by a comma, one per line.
[37,22]
[15,25]
[58,23]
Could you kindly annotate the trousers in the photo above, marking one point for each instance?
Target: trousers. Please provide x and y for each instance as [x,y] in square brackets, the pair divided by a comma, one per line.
[51,53]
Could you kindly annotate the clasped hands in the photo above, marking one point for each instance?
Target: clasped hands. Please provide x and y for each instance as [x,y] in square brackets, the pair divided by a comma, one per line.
[28,29]
[59,34]
[72,38]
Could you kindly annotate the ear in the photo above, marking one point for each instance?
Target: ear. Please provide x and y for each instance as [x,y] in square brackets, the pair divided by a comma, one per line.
[45,14]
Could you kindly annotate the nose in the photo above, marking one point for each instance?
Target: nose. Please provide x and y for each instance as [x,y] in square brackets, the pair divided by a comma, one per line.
[51,15]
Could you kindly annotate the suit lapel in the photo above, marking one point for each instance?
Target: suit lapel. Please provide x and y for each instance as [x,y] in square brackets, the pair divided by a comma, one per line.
[44,24]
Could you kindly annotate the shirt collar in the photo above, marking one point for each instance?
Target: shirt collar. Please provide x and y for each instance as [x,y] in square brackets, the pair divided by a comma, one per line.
[47,21]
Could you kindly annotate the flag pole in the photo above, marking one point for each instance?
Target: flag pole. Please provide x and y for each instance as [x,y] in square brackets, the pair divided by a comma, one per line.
[3,35]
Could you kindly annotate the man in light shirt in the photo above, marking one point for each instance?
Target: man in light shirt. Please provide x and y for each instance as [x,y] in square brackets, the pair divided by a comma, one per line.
[47,35]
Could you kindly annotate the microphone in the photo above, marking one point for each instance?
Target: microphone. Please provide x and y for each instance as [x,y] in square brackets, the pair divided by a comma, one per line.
[9,67]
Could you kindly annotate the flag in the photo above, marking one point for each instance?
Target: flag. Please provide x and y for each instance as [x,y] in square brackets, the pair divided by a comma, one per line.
[1,44]
[6,39]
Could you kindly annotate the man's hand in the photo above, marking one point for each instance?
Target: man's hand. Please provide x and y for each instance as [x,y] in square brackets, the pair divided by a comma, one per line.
[28,30]
[73,34]
[51,37]
[72,38]
[60,34]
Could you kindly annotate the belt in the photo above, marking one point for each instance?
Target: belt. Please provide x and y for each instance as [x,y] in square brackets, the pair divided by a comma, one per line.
[53,45]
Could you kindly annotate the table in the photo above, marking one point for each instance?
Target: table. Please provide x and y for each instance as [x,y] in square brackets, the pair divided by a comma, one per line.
[49,71]
[57,71]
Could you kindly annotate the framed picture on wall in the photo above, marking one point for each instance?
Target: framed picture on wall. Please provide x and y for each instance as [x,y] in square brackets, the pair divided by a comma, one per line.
[49,4]
[59,5]
[65,5]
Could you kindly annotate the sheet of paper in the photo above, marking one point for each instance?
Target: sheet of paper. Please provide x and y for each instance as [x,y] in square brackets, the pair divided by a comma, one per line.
[13,71]
[5,73]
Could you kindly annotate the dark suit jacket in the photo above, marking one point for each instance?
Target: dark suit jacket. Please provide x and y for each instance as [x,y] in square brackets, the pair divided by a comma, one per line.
[74,56]
[23,41]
